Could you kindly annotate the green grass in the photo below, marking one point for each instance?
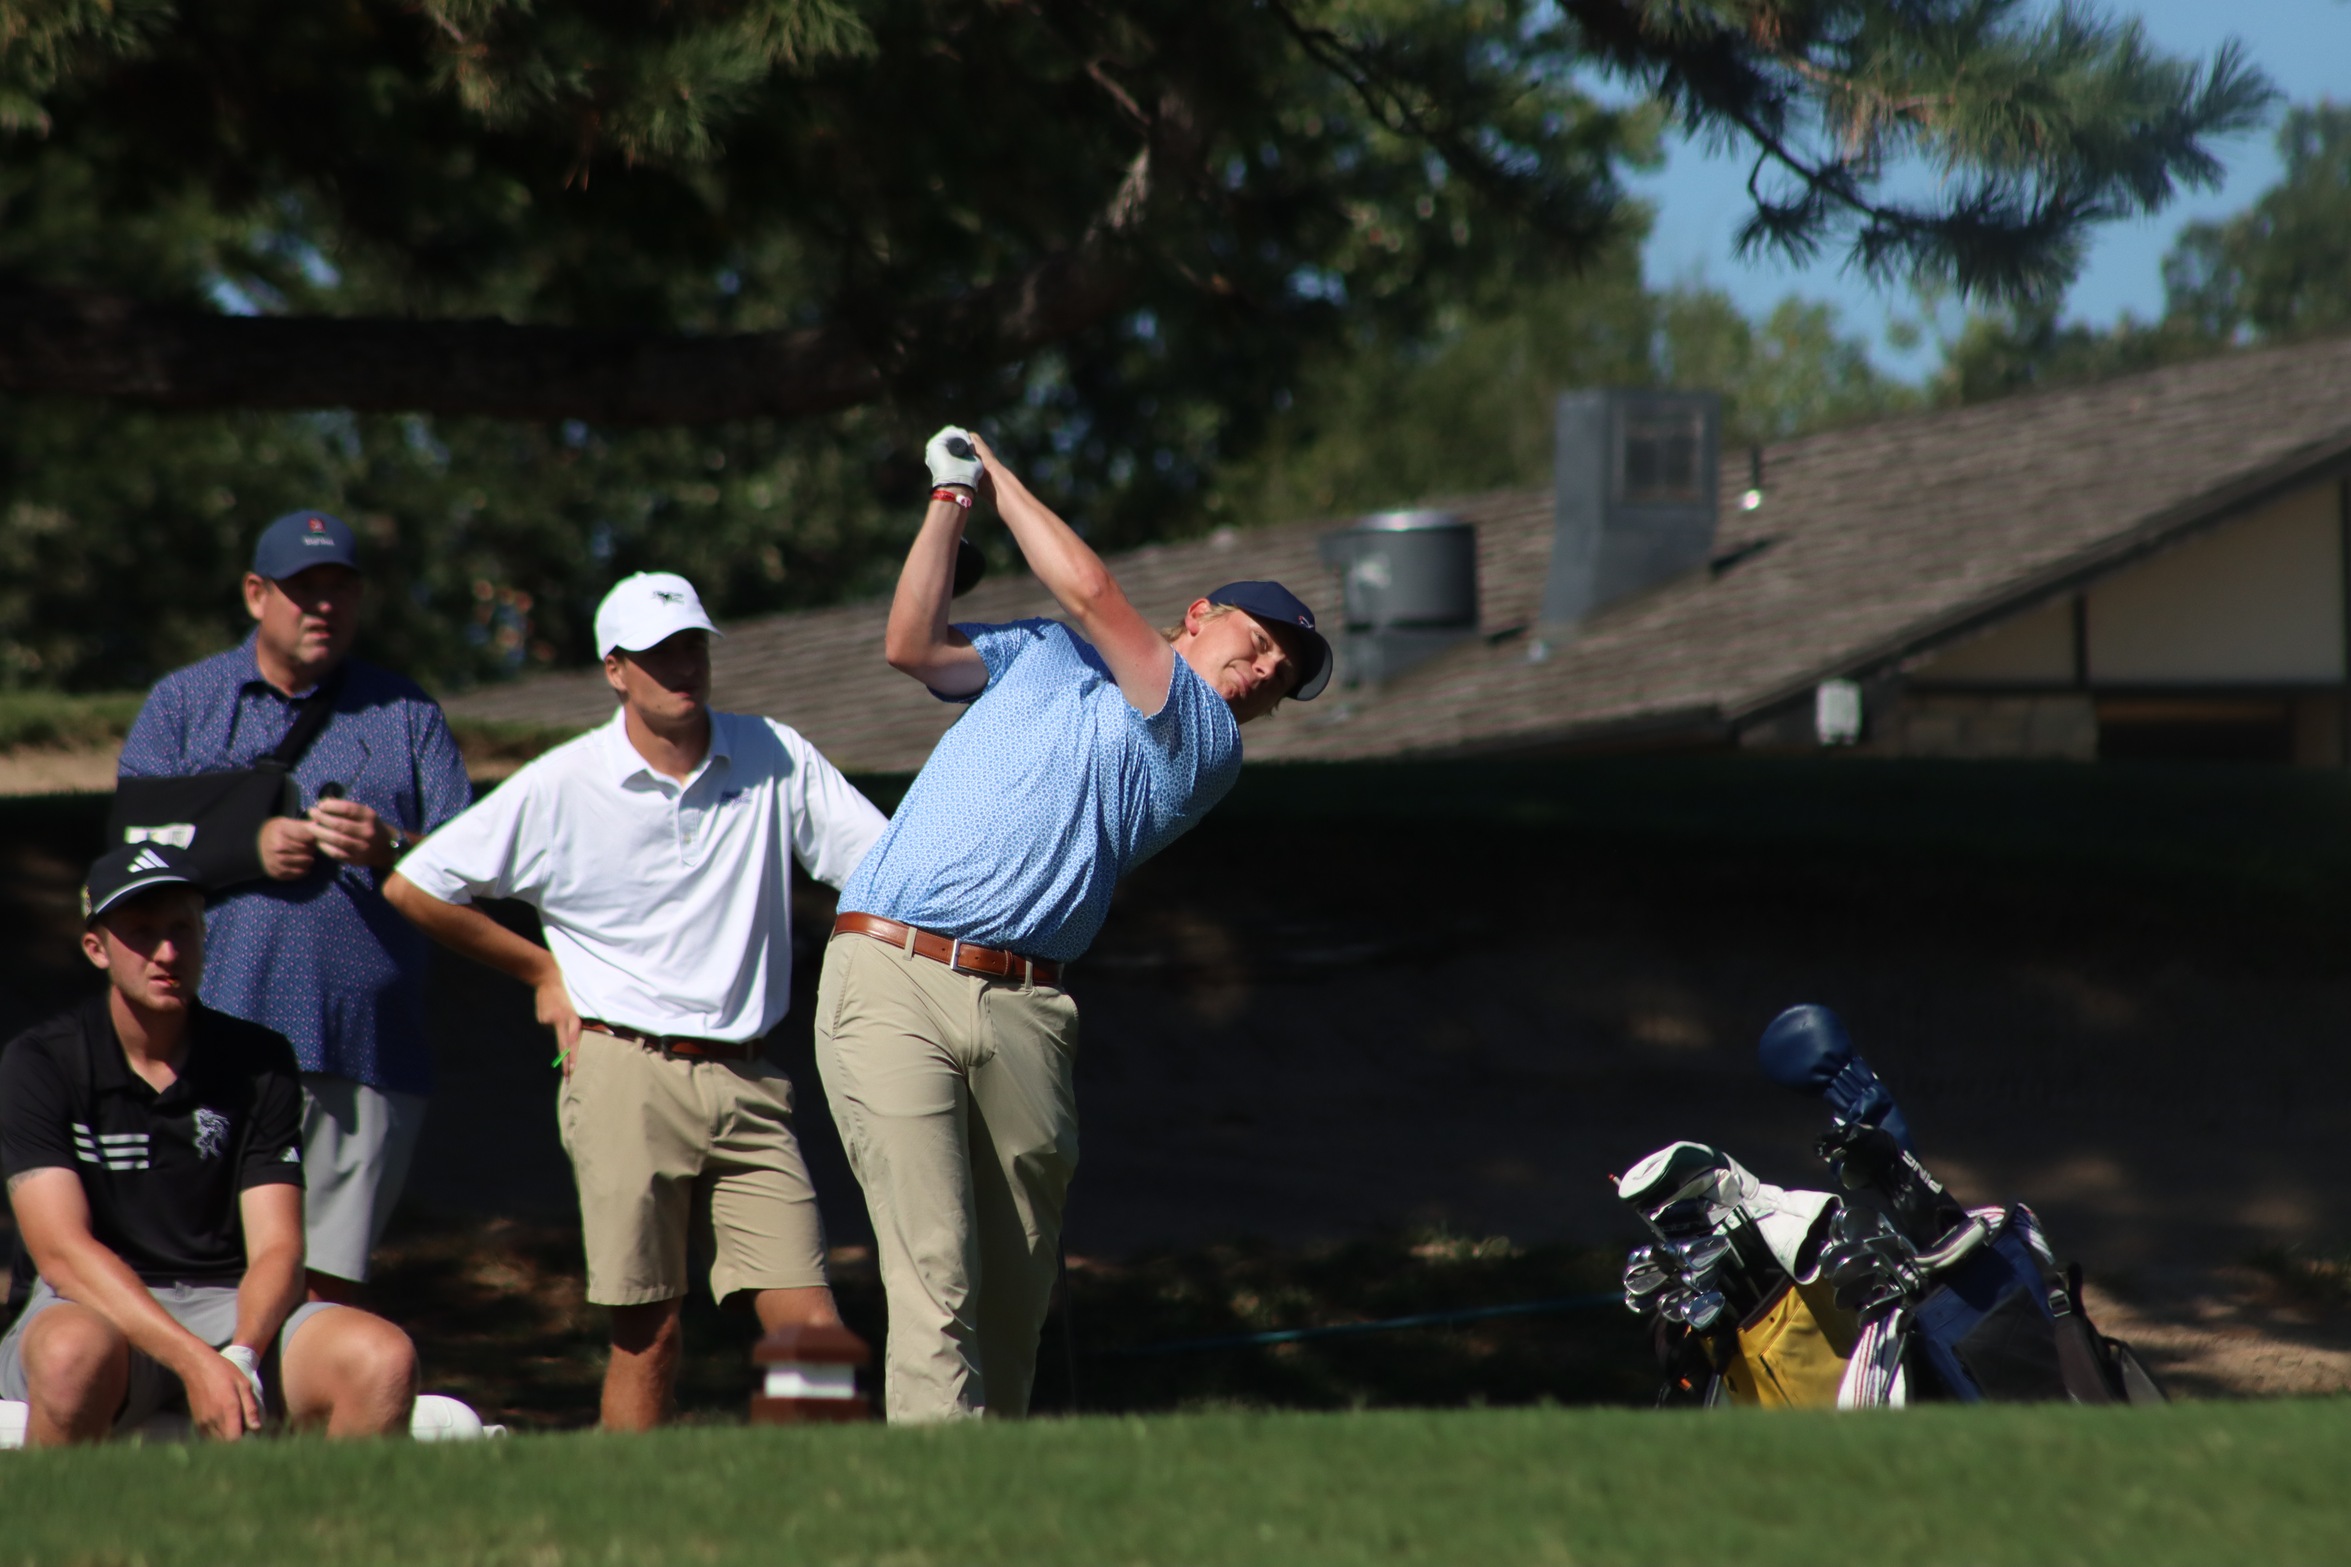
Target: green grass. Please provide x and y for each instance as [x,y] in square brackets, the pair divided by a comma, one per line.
[54,718]
[63,720]
[2187,1484]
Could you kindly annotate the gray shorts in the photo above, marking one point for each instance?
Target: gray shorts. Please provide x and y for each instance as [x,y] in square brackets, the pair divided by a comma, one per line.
[357,1143]
[207,1310]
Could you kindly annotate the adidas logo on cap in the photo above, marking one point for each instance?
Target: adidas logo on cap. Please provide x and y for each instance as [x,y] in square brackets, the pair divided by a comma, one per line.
[132,869]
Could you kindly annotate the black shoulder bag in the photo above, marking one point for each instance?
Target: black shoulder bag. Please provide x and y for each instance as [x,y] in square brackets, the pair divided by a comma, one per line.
[217,817]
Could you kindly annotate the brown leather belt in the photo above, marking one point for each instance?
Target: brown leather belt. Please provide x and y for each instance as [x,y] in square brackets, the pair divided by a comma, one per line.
[678,1047]
[963,956]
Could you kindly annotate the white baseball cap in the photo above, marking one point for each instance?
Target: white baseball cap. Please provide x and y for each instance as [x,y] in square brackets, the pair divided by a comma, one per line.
[646,610]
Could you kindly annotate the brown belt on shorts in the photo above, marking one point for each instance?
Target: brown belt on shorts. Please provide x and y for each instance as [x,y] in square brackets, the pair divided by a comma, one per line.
[963,956]
[678,1047]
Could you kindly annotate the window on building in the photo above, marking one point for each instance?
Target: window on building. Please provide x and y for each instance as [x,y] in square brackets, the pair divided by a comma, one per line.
[1658,456]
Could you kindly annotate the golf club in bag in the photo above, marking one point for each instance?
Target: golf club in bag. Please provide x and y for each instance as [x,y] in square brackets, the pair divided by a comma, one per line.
[1884,1292]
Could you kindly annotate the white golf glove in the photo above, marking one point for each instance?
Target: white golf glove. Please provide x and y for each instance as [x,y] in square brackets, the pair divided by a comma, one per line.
[953,459]
[246,1361]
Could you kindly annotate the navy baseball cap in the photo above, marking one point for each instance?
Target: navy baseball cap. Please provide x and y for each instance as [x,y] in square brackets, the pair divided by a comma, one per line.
[302,539]
[132,869]
[1274,605]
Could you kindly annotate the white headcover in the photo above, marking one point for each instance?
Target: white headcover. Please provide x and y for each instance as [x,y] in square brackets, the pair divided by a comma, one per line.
[1781,1215]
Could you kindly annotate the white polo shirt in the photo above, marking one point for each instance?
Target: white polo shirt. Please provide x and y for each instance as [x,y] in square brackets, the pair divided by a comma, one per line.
[667,906]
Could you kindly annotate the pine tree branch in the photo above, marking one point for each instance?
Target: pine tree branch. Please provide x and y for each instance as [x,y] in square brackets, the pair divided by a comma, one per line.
[2100,128]
[73,341]
[1396,103]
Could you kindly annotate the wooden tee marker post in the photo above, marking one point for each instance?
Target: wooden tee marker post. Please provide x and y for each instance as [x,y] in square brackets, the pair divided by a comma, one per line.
[810,1373]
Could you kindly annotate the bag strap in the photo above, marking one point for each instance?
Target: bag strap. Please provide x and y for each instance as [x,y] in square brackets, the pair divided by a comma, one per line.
[317,708]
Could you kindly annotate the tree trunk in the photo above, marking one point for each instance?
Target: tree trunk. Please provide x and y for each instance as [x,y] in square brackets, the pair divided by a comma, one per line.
[61,340]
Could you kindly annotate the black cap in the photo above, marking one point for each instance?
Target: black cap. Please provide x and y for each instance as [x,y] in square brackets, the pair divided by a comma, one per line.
[1274,605]
[302,539]
[132,869]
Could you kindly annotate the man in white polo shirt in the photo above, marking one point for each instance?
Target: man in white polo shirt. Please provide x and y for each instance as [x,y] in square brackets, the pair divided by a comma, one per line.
[654,850]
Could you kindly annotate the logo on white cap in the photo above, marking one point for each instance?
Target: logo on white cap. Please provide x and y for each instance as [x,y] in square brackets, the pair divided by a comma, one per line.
[646,610]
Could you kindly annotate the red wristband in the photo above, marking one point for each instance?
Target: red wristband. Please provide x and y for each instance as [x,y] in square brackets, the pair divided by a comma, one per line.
[961,498]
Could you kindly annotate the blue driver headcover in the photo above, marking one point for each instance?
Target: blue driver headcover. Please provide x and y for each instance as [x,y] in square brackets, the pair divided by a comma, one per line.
[1806,1048]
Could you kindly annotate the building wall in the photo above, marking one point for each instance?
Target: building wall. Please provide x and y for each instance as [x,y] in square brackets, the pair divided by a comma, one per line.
[2258,602]
[2036,648]
[2231,645]
[2060,726]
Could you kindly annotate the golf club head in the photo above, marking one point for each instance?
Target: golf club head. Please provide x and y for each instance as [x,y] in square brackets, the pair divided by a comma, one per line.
[1694,1308]
[970,566]
[1687,1218]
[1866,1273]
[1637,1291]
[1806,1048]
[1855,1223]
[1637,1300]
[1645,1273]
[1847,1267]
[1700,1253]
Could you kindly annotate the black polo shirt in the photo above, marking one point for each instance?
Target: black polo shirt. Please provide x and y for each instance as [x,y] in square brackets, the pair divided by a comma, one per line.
[162,1171]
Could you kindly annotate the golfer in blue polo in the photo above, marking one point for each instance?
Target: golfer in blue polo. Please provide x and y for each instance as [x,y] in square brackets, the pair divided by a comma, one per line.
[942,1032]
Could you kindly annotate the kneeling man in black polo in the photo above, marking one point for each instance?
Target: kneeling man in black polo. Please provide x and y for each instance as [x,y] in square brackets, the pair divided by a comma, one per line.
[153,1150]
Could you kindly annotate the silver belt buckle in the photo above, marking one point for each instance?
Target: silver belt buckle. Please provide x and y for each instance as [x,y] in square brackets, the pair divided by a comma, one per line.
[955,960]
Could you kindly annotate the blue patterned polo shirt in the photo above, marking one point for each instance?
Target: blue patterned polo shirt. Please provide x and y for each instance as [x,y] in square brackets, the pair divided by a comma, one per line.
[324,960]
[1043,795]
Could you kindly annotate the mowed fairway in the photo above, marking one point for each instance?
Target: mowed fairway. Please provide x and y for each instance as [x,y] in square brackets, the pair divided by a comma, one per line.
[2193,1483]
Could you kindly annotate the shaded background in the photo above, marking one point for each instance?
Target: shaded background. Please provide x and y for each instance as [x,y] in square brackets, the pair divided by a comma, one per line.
[1464,994]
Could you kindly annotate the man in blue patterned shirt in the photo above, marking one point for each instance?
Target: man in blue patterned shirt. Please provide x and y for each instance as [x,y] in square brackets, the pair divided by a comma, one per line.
[942,1032]
[313,951]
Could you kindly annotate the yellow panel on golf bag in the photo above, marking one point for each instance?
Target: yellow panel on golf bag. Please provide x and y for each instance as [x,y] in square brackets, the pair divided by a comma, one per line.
[1792,1350]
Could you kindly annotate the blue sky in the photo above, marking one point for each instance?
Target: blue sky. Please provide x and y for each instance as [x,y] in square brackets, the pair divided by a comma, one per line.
[2303,45]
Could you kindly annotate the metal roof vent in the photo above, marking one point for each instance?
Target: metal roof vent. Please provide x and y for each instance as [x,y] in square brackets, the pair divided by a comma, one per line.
[1635,497]
[1411,589]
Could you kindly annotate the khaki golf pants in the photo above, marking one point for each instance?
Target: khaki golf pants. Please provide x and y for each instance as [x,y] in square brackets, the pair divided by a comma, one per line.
[954,1099]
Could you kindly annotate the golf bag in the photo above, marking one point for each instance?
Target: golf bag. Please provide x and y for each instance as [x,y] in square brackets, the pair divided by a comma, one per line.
[1883,1292]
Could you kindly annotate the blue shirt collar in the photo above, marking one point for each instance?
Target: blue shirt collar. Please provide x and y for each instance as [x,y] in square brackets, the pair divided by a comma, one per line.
[252,650]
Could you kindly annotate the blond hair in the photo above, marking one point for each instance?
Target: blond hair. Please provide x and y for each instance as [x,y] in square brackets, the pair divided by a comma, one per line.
[1212,612]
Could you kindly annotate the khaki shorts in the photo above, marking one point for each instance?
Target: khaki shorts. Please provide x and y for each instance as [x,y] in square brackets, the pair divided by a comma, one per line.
[667,1151]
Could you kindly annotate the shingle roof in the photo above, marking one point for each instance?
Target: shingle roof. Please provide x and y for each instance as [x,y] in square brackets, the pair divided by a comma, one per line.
[1884,539]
